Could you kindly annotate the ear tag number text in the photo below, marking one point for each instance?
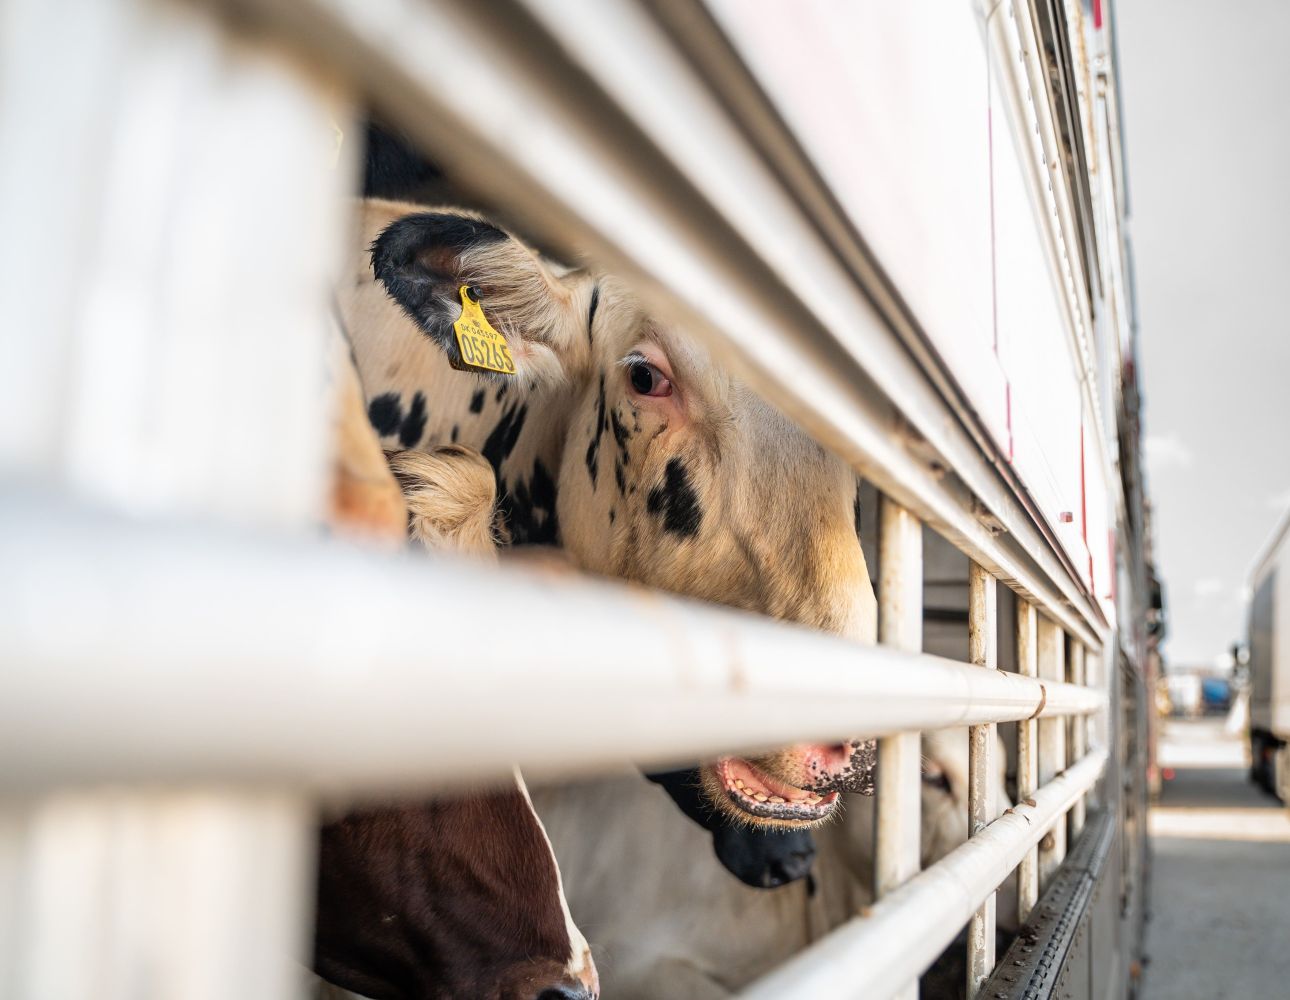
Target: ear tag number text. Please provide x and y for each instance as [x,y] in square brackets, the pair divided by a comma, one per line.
[481,347]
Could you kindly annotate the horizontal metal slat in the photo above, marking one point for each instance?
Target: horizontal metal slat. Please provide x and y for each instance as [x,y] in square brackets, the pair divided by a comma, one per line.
[138,652]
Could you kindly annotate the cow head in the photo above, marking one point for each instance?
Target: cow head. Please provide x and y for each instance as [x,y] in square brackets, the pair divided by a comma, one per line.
[672,472]
[452,898]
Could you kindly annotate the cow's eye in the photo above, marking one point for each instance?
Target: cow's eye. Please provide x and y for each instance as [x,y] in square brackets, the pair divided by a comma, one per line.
[648,380]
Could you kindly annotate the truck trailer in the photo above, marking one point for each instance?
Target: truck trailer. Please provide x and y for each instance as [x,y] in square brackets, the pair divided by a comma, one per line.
[903,225]
[1269,666]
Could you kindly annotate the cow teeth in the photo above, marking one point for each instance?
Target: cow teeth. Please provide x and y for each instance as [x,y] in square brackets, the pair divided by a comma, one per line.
[776,798]
[760,798]
[739,784]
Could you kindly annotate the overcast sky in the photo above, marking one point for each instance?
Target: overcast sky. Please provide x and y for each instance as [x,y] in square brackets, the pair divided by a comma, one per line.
[1207,136]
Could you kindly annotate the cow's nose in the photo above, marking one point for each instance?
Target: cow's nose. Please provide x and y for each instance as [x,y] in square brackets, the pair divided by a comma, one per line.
[842,767]
[830,760]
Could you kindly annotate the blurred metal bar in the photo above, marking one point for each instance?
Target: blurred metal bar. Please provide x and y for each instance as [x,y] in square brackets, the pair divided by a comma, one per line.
[174,208]
[877,954]
[172,895]
[277,641]
[1051,648]
[983,770]
[570,143]
[900,626]
[1027,756]
[133,382]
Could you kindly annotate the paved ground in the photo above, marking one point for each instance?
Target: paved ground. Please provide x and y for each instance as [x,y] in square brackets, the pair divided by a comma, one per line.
[1220,914]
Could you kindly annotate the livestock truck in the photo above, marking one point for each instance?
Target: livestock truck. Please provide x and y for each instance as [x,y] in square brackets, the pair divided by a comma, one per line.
[1269,667]
[903,224]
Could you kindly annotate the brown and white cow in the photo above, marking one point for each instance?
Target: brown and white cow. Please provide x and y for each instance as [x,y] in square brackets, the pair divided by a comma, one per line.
[451,898]
[455,897]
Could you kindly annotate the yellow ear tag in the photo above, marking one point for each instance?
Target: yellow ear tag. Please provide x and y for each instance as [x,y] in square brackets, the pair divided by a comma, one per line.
[482,348]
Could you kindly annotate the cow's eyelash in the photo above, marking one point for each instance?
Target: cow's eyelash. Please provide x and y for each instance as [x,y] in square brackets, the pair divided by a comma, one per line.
[634,358]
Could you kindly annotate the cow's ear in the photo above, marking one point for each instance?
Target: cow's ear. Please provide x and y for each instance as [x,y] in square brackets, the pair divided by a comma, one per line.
[424,260]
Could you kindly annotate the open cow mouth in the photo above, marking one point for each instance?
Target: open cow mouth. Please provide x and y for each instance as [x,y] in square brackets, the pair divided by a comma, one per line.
[751,790]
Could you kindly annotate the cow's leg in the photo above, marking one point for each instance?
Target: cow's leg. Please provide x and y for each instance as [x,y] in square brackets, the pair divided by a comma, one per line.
[451,497]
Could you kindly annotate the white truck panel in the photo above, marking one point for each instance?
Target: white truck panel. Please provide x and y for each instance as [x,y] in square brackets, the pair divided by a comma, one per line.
[934,181]
[1043,387]
[907,157]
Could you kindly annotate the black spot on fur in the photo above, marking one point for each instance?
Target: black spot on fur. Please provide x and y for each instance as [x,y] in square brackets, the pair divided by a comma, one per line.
[414,424]
[528,509]
[501,442]
[611,515]
[501,391]
[621,435]
[597,429]
[857,511]
[591,313]
[620,478]
[455,431]
[386,413]
[676,502]
[477,401]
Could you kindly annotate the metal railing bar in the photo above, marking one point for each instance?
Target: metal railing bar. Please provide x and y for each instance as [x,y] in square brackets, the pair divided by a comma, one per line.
[873,956]
[185,635]
[983,773]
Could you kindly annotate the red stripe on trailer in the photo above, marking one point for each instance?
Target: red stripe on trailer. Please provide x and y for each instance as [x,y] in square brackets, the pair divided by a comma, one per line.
[1097,13]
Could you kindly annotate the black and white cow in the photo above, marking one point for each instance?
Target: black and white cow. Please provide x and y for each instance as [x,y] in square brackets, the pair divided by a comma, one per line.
[624,443]
[621,441]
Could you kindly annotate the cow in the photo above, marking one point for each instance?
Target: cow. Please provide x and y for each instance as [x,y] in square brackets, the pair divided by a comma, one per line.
[759,856]
[453,897]
[622,442]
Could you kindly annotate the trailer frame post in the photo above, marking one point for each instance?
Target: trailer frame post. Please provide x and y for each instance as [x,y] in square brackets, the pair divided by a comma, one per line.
[1077,734]
[1027,756]
[1051,647]
[983,772]
[900,624]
